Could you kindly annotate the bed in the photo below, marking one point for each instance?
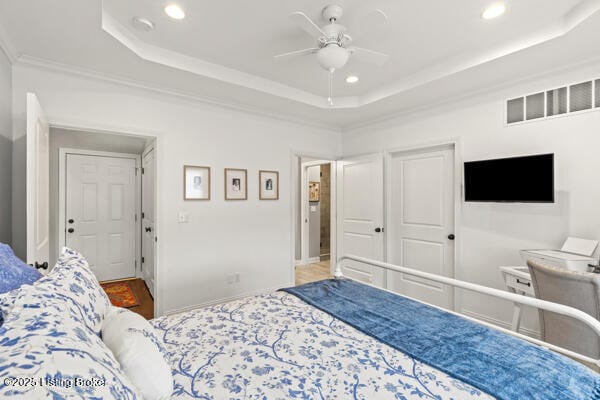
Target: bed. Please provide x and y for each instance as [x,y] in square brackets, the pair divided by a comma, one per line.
[334,339]
[277,346]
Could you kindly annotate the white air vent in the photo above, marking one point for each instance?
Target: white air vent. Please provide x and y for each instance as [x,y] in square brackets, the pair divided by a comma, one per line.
[574,98]
[515,110]
[535,106]
[580,97]
[556,101]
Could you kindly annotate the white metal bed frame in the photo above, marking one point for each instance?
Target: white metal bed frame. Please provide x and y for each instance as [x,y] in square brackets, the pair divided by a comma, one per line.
[579,315]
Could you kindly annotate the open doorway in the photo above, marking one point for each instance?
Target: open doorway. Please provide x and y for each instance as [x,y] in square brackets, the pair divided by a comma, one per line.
[315,212]
[102,204]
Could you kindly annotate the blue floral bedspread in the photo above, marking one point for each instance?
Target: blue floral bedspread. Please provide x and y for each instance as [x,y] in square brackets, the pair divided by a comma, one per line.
[277,346]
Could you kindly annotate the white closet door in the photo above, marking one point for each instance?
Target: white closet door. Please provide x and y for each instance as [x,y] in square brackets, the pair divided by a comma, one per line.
[148,235]
[100,213]
[360,185]
[38,178]
[421,215]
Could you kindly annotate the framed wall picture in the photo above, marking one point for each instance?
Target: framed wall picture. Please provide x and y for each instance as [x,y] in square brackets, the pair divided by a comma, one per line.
[196,183]
[236,184]
[314,191]
[269,185]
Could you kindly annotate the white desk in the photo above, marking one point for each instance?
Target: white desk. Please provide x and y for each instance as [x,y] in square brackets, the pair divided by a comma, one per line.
[517,280]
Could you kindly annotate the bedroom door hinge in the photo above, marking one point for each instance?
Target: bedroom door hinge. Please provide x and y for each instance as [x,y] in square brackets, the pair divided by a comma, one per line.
[143,171]
[143,259]
[143,215]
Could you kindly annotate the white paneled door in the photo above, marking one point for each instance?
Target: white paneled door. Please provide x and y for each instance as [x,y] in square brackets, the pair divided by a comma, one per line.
[37,177]
[360,185]
[148,235]
[421,216]
[100,213]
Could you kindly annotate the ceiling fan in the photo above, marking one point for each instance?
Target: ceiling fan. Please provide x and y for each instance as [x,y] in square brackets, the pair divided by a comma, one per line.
[334,45]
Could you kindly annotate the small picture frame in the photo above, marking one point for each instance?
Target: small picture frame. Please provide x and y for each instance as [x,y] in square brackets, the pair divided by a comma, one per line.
[268,185]
[314,191]
[236,184]
[196,183]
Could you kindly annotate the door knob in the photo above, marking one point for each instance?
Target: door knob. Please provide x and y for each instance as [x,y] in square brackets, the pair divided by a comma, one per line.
[377,229]
[70,230]
[451,236]
[71,221]
[43,265]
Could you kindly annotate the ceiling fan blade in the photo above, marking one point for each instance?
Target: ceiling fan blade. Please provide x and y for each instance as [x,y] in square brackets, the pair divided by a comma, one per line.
[370,23]
[298,53]
[369,56]
[307,24]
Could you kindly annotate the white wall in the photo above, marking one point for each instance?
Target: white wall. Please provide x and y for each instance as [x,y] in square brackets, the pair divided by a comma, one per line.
[314,216]
[251,237]
[490,235]
[5,148]
[72,139]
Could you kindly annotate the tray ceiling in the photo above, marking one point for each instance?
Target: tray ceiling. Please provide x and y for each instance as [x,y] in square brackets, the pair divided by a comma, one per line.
[235,41]
[222,51]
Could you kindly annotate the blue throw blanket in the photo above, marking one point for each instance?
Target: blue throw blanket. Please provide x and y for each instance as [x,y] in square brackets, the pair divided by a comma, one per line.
[503,366]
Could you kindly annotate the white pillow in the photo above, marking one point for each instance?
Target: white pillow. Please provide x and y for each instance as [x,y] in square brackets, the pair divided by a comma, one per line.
[140,352]
[41,343]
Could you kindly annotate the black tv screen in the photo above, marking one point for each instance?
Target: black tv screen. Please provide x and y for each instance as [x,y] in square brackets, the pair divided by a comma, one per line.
[527,179]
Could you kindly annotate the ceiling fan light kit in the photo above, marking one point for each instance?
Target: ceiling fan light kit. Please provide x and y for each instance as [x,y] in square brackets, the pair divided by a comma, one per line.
[332,57]
[334,44]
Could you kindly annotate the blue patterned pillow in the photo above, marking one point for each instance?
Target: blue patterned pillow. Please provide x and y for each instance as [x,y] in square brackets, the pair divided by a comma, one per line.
[71,285]
[13,271]
[45,353]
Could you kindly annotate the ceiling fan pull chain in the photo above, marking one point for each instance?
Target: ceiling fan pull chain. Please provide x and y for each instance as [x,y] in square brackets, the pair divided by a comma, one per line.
[330,98]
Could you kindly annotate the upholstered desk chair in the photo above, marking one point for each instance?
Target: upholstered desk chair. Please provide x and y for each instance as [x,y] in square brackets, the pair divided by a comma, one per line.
[579,290]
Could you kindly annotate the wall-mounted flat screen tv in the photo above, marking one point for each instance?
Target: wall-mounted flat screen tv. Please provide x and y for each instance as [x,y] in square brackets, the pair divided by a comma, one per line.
[528,179]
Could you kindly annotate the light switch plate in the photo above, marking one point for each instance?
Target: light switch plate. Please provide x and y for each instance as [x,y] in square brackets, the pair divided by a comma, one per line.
[184,217]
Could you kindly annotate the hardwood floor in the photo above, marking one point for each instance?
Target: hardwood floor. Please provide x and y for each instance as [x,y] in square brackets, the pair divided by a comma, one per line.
[145,301]
[312,272]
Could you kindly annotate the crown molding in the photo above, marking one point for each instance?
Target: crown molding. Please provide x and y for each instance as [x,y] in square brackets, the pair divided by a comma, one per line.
[461,62]
[473,95]
[47,65]
[200,67]
[456,64]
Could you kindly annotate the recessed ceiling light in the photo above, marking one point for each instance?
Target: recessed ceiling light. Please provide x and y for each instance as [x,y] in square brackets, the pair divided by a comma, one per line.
[351,79]
[174,11]
[493,11]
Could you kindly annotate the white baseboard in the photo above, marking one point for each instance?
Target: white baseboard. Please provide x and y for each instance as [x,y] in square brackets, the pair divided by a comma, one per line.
[221,301]
[507,325]
[312,260]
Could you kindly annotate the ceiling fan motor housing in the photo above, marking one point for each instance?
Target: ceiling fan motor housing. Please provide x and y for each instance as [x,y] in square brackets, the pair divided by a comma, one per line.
[333,32]
[333,11]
